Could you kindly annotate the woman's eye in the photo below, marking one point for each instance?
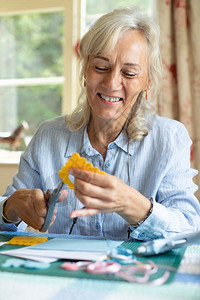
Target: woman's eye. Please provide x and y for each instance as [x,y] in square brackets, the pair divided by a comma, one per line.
[101,68]
[130,75]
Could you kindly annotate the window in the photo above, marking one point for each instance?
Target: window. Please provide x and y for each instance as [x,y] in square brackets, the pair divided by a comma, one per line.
[94,9]
[31,61]
[38,63]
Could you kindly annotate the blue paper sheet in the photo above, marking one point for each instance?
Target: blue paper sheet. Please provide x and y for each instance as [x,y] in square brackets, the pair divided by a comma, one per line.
[65,244]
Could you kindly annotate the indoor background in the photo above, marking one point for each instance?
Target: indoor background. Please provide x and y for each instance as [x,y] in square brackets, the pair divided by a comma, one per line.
[39,66]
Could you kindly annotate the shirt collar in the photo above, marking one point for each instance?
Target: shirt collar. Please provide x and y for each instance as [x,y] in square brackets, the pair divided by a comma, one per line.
[122,142]
[79,142]
[75,142]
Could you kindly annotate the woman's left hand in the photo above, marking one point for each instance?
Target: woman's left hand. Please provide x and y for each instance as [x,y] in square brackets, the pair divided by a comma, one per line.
[107,193]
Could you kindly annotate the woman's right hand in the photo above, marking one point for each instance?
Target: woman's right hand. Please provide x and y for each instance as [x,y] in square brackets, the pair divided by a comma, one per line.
[30,206]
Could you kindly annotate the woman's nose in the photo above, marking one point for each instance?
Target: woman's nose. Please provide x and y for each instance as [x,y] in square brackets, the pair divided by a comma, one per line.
[112,80]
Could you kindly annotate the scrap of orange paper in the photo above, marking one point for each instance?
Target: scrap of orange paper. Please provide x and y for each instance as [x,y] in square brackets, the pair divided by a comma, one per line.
[27,240]
[76,161]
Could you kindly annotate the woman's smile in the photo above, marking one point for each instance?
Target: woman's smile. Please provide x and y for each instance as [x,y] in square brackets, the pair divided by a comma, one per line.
[110,99]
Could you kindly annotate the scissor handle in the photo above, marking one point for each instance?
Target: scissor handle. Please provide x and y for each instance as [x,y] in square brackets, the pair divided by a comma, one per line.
[50,205]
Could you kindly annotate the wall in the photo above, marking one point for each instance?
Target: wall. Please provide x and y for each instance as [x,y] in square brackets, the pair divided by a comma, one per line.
[6,173]
[9,161]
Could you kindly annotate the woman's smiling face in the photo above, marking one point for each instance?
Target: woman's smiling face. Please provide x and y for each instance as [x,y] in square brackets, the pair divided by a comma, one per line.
[114,81]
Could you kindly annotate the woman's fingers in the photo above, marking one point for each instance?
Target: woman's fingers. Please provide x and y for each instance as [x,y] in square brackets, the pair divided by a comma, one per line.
[92,184]
[30,205]
[63,195]
[39,203]
[52,220]
[99,191]
[89,177]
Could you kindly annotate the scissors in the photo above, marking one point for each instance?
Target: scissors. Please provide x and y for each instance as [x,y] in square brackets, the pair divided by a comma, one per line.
[53,198]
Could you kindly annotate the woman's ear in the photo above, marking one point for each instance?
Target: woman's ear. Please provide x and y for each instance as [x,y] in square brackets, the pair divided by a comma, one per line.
[148,85]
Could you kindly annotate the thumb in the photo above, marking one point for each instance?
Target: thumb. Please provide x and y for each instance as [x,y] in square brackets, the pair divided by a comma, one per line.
[63,195]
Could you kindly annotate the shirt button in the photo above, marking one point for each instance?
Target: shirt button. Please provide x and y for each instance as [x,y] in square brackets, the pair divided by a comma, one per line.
[141,235]
[97,226]
[112,146]
[108,165]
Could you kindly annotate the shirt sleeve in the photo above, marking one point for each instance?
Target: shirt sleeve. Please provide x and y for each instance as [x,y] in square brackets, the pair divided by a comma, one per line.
[10,226]
[175,208]
[34,171]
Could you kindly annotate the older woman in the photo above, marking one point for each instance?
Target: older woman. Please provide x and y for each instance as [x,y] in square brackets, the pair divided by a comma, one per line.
[148,189]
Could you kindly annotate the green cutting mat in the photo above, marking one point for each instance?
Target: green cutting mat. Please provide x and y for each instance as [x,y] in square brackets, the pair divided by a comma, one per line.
[170,259]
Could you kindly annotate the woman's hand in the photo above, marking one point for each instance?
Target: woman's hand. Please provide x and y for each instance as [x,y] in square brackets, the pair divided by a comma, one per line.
[29,205]
[107,193]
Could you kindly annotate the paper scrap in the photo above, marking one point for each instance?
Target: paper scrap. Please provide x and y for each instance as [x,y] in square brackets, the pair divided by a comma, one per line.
[65,248]
[27,240]
[49,256]
[25,254]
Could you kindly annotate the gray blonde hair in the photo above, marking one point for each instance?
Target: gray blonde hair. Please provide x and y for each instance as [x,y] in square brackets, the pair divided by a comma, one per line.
[102,38]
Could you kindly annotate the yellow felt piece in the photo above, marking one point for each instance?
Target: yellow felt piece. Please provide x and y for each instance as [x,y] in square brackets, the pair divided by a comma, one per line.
[27,240]
[76,161]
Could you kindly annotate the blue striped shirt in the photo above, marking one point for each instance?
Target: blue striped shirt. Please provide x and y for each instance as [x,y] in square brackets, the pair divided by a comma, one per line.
[159,169]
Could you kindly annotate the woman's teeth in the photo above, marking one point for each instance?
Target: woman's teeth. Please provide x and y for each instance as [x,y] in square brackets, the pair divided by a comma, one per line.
[110,99]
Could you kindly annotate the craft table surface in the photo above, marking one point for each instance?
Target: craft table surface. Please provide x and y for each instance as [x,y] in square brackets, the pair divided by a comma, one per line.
[185,284]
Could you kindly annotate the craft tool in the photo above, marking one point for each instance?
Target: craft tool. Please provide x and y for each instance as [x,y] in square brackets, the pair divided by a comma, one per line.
[163,245]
